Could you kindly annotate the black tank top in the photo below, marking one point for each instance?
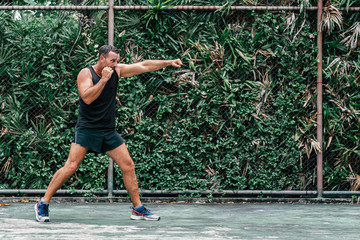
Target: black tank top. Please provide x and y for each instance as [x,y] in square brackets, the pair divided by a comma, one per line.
[101,112]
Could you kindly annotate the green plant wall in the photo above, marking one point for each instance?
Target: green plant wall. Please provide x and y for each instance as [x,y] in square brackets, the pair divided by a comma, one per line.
[240,113]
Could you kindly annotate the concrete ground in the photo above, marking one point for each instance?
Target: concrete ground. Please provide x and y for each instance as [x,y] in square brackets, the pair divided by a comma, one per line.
[183,221]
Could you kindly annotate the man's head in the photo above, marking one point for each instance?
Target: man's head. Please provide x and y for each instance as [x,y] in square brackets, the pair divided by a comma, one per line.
[109,56]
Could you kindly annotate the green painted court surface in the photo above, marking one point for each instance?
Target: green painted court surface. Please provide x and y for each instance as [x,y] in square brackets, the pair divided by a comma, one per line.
[183,221]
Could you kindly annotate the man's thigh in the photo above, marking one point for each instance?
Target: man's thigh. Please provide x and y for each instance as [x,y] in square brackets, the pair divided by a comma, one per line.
[76,154]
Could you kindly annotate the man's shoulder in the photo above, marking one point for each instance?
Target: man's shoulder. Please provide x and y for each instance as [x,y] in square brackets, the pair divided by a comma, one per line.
[85,71]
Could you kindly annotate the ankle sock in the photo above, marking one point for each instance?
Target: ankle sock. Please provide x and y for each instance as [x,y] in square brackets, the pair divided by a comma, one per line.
[139,208]
[42,201]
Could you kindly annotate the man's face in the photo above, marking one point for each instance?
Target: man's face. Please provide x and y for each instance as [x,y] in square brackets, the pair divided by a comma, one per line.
[111,60]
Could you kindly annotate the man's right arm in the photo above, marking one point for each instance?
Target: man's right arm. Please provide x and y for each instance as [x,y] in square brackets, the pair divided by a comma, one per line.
[87,90]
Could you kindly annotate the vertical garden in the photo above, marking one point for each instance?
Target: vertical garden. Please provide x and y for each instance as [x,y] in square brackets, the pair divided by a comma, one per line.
[240,114]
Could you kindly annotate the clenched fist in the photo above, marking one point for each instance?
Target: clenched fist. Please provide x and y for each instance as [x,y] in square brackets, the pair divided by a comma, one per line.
[176,63]
[106,73]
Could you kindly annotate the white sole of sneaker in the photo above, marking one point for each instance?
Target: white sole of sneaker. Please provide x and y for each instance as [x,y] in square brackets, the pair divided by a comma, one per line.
[133,217]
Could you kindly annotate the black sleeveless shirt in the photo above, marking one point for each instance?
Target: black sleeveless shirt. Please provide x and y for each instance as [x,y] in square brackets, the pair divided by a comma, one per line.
[101,112]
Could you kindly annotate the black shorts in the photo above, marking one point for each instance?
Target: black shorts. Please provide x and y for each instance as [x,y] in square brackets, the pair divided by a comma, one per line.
[97,140]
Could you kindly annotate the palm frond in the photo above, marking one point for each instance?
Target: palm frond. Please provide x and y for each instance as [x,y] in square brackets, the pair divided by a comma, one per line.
[290,22]
[353,40]
[330,18]
[342,67]
[354,180]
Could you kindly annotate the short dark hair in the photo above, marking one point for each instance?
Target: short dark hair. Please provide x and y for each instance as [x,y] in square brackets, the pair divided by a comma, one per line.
[104,50]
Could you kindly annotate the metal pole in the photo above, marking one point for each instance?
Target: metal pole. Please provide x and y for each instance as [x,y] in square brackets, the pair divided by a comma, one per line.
[233,8]
[214,8]
[111,23]
[53,7]
[110,189]
[111,42]
[175,8]
[145,8]
[162,193]
[319,130]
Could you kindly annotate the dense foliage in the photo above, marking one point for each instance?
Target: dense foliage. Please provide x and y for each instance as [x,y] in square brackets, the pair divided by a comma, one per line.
[240,114]
[341,105]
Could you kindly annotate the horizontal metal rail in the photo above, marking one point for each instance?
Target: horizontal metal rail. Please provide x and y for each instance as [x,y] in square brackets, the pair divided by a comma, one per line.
[42,191]
[214,8]
[243,192]
[54,7]
[233,8]
[226,192]
[159,193]
[177,8]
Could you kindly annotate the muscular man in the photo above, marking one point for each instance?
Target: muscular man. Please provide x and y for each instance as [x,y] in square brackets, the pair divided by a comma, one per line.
[95,129]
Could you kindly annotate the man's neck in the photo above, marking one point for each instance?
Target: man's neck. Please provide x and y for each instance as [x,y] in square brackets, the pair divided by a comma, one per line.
[97,69]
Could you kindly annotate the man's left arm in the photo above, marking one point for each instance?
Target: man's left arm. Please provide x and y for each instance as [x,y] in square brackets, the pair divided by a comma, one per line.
[129,70]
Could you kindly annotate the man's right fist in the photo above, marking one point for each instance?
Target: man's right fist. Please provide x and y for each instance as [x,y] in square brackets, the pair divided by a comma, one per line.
[106,73]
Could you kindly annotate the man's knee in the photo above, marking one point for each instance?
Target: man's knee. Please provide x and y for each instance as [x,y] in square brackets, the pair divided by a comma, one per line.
[71,165]
[128,165]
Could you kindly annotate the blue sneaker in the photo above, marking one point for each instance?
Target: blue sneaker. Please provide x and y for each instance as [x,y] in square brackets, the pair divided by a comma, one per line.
[42,212]
[141,213]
